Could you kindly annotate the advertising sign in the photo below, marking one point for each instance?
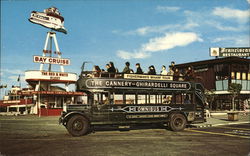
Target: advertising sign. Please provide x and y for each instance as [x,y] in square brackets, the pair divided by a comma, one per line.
[55,76]
[150,77]
[139,84]
[51,60]
[228,52]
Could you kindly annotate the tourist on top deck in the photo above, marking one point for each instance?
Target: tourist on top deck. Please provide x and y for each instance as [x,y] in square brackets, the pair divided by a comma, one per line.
[126,69]
[189,75]
[172,66]
[177,75]
[171,72]
[138,69]
[96,71]
[107,67]
[112,67]
[164,70]
[151,70]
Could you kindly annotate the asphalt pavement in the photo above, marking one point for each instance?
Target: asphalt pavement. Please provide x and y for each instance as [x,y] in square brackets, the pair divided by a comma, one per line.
[34,136]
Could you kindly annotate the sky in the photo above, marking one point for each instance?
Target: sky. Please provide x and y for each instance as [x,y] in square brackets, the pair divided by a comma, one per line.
[150,32]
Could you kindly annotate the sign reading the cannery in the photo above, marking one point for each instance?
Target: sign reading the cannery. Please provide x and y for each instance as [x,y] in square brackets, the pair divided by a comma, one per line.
[228,52]
[140,84]
[51,60]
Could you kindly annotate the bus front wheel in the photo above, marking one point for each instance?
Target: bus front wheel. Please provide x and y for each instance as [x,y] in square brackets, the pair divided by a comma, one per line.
[177,122]
[78,125]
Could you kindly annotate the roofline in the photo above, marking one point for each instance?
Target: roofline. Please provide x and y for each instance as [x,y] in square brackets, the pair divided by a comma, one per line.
[214,61]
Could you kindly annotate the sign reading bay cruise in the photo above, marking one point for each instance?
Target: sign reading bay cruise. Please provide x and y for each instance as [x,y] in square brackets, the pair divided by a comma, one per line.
[228,52]
[139,84]
[51,60]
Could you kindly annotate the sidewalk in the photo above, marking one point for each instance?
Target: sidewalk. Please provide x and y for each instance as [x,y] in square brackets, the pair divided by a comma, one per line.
[219,119]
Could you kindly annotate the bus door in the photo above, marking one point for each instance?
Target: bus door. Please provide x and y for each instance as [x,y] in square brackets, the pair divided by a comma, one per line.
[100,107]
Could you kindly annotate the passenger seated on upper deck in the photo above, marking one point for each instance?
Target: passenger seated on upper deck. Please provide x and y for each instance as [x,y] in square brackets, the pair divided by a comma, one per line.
[126,70]
[177,75]
[164,70]
[107,67]
[151,70]
[189,75]
[96,71]
[111,67]
[171,72]
[138,69]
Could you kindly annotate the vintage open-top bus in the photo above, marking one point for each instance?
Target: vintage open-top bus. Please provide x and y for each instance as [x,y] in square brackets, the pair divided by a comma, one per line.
[129,99]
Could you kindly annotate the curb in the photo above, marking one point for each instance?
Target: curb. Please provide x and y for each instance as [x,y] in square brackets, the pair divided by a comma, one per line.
[231,123]
[216,125]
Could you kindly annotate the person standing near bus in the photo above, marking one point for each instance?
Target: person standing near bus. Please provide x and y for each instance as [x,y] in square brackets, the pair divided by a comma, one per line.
[126,69]
[138,69]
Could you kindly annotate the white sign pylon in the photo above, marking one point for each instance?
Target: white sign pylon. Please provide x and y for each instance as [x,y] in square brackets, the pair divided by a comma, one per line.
[48,49]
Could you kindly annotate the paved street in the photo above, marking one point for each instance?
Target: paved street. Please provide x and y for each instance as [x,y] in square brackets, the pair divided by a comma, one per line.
[30,135]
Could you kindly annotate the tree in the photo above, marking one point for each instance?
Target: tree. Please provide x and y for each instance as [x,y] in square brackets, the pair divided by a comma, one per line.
[234,89]
[210,96]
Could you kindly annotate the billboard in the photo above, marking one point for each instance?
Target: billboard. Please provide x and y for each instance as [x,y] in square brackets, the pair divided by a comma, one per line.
[51,60]
[228,52]
[50,76]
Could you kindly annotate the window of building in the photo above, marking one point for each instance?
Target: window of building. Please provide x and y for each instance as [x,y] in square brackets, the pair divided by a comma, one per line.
[238,76]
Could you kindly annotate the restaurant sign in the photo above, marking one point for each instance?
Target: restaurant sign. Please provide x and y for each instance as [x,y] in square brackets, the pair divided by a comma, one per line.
[51,60]
[228,52]
[138,84]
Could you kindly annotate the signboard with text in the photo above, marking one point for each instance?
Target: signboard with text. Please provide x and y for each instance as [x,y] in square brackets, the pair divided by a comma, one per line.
[138,84]
[229,52]
[51,76]
[51,60]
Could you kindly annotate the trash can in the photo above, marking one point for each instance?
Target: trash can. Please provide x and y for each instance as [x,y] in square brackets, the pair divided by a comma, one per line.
[233,116]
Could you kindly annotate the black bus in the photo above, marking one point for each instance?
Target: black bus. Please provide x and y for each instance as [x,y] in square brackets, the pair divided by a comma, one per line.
[130,99]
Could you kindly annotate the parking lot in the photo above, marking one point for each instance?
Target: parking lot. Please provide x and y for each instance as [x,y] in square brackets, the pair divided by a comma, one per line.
[30,135]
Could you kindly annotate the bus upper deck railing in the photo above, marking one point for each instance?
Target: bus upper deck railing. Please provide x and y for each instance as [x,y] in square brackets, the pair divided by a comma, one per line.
[91,74]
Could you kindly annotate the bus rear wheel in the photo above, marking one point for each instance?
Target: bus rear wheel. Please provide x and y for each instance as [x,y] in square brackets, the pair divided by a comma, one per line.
[177,122]
[78,125]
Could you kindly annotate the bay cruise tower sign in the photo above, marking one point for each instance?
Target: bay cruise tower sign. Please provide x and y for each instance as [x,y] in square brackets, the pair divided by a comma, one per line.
[43,79]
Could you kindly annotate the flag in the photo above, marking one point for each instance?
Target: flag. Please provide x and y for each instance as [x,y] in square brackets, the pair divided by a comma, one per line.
[18,79]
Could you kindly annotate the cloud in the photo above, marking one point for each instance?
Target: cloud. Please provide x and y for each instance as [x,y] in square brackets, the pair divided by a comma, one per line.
[129,55]
[228,13]
[248,1]
[238,41]
[168,41]
[222,27]
[162,29]
[167,9]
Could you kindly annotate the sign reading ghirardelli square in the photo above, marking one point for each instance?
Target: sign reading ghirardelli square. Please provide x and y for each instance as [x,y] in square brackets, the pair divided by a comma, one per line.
[139,84]
[229,52]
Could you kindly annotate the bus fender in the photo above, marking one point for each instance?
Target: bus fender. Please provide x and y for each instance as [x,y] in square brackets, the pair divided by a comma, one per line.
[67,116]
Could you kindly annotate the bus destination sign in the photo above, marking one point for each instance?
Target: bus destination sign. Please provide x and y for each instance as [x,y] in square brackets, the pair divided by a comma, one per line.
[139,84]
